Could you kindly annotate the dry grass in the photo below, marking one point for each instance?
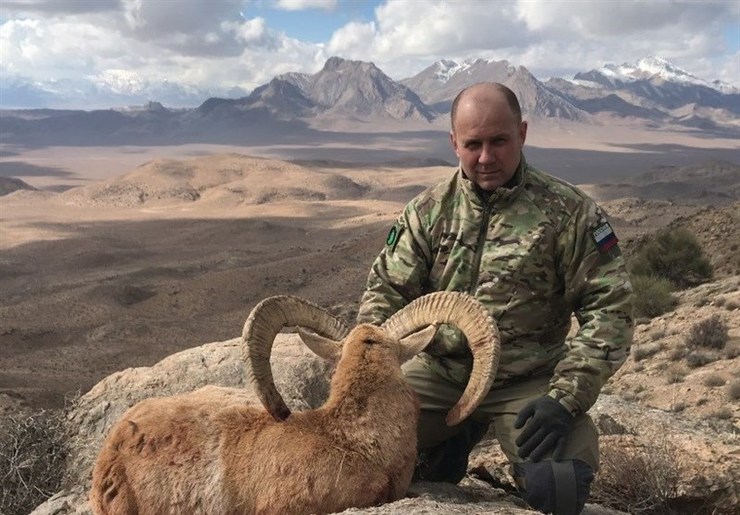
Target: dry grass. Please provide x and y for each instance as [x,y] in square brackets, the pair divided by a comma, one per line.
[711,333]
[714,380]
[641,479]
[699,358]
[733,390]
[677,353]
[33,454]
[676,373]
[640,352]
[722,414]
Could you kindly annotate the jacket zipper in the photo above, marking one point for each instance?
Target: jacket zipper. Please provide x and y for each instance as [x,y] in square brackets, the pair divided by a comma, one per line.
[483,231]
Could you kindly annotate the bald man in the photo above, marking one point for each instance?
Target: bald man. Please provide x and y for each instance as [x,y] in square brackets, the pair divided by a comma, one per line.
[534,250]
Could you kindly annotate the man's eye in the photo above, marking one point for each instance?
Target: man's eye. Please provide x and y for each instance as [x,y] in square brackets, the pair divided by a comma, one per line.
[472,145]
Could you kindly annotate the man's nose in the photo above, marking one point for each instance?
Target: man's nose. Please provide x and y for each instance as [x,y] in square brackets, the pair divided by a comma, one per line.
[486,154]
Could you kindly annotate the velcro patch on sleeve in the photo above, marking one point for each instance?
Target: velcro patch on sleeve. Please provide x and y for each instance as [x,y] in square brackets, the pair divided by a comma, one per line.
[604,237]
[393,236]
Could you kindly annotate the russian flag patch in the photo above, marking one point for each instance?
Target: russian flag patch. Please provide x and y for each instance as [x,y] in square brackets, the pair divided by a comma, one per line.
[604,237]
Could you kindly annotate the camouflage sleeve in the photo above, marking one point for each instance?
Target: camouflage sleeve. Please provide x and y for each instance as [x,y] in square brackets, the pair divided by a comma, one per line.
[400,271]
[598,288]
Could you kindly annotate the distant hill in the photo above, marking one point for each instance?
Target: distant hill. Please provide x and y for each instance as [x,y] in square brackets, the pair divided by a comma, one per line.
[11,184]
[713,183]
[224,179]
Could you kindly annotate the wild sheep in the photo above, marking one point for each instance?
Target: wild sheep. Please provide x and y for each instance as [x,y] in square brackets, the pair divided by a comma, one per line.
[208,453]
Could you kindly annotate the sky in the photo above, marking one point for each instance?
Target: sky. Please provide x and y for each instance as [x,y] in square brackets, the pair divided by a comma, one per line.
[222,45]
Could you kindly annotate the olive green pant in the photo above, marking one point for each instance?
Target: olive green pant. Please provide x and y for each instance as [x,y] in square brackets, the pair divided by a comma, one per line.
[500,407]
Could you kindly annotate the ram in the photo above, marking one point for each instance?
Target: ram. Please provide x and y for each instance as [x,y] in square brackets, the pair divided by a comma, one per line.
[210,452]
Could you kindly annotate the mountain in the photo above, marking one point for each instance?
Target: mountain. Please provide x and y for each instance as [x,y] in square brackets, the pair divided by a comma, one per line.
[342,88]
[348,94]
[113,88]
[652,68]
[655,90]
[439,83]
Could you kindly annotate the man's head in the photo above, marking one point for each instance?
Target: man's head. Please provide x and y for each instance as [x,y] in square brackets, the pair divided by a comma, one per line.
[488,133]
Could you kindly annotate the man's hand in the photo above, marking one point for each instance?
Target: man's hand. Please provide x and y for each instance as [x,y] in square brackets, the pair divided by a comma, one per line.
[549,425]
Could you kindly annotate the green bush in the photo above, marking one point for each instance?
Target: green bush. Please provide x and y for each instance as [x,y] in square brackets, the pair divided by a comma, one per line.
[33,455]
[652,297]
[710,333]
[676,255]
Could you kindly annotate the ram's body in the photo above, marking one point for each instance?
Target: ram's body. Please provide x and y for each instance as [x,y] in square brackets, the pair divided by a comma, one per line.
[213,452]
[194,453]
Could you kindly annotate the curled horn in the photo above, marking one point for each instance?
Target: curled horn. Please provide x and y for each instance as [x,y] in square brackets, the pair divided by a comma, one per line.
[476,323]
[264,323]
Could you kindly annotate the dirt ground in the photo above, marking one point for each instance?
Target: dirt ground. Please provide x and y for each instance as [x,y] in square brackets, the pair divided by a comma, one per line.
[96,280]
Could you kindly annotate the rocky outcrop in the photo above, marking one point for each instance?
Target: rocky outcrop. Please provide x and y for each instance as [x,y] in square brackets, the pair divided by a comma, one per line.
[708,471]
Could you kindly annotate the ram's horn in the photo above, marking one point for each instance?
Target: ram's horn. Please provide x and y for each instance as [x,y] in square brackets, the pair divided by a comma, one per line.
[265,321]
[476,323]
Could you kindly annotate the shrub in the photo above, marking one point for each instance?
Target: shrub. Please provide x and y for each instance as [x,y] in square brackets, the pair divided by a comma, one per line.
[642,479]
[711,333]
[640,352]
[699,358]
[32,459]
[674,254]
[733,390]
[679,407]
[652,296]
[714,380]
[731,351]
[722,414]
[677,353]
[676,374]
[657,334]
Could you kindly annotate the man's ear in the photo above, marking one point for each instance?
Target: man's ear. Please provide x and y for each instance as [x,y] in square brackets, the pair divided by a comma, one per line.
[523,131]
[453,142]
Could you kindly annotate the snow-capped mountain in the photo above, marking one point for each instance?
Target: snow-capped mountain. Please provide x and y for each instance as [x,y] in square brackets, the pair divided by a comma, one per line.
[113,88]
[438,84]
[653,68]
[654,90]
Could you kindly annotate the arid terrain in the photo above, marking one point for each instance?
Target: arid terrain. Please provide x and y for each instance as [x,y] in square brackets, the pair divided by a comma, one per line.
[103,271]
[173,253]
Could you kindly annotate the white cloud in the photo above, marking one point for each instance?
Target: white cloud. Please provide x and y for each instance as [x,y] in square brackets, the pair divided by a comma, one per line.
[301,5]
[54,7]
[213,45]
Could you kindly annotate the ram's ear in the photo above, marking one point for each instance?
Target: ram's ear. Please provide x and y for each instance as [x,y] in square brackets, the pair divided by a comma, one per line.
[414,343]
[327,348]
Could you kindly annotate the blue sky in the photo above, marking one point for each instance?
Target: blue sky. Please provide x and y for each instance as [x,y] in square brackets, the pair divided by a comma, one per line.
[216,46]
[317,24]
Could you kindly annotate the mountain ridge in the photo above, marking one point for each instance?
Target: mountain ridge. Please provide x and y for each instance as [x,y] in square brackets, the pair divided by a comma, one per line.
[346,92]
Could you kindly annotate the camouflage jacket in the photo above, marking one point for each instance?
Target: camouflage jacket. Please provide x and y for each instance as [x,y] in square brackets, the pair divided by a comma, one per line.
[534,255]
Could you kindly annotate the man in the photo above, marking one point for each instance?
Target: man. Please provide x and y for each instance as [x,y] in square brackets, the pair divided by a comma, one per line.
[534,250]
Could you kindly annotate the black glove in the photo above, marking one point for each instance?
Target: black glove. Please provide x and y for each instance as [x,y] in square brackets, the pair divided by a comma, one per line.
[549,425]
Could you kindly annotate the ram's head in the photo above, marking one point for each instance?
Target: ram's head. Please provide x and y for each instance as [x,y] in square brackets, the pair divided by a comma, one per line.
[410,330]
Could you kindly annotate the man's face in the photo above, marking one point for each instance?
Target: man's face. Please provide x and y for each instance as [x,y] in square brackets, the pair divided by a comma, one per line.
[488,139]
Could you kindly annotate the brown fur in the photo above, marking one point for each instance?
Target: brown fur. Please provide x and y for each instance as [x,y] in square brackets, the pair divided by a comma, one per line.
[209,452]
